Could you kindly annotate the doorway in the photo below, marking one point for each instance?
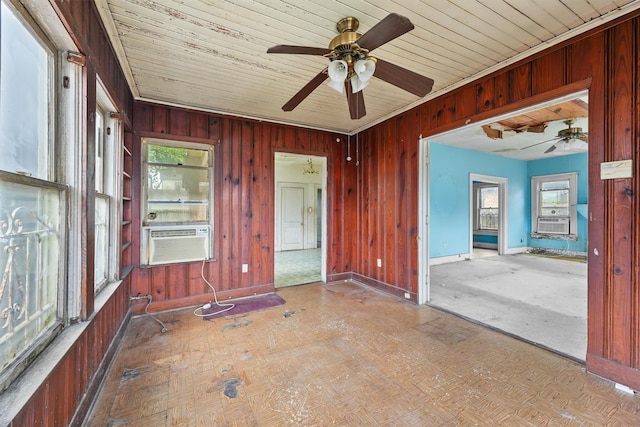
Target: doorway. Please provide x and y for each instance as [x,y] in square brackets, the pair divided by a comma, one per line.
[502,150]
[488,215]
[300,223]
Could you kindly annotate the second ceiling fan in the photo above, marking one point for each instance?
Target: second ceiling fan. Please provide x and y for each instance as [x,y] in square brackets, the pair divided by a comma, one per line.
[351,67]
[565,137]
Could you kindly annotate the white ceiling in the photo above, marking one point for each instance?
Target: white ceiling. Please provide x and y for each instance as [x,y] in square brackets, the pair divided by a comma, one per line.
[211,54]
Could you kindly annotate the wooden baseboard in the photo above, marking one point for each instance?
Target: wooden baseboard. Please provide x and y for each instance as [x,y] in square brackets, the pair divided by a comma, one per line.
[614,371]
[173,304]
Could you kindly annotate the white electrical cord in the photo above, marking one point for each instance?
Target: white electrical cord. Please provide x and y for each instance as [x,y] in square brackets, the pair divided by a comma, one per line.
[198,310]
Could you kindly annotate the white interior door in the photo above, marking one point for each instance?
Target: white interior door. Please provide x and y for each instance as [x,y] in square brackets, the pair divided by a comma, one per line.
[292,222]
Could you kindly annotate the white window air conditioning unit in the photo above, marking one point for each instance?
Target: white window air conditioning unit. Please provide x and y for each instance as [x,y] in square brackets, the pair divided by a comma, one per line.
[553,225]
[171,244]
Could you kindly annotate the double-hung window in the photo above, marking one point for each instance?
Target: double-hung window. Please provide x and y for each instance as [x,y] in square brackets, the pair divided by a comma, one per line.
[553,204]
[108,148]
[486,199]
[32,203]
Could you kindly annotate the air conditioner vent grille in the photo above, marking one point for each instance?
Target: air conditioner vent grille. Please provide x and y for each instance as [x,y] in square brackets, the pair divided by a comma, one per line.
[166,245]
[172,233]
[553,225]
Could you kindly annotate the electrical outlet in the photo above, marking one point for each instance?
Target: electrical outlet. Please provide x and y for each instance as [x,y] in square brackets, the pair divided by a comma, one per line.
[245,268]
[379,262]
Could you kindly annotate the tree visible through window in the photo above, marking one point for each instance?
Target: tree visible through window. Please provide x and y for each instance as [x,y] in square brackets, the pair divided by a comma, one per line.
[178,184]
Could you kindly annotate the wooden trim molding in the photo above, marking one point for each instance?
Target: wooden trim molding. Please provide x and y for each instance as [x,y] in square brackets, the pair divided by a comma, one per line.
[77,58]
[613,371]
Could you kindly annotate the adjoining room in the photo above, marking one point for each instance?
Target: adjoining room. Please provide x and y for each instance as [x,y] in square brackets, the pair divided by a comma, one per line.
[508,224]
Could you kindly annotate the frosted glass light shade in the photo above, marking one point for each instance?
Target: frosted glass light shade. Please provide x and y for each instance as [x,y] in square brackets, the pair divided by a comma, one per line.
[364,69]
[338,71]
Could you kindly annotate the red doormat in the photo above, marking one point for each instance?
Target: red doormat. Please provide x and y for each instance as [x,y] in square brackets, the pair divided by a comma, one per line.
[242,305]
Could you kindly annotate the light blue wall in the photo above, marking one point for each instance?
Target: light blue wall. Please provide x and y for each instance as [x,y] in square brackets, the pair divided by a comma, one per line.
[449,172]
[449,199]
[573,163]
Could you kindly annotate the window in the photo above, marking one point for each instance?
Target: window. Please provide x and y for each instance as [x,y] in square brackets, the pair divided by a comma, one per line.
[32,206]
[108,146]
[25,113]
[177,194]
[553,203]
[486,207]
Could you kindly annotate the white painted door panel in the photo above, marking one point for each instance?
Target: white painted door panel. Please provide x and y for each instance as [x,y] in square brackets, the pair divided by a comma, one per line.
[292,226]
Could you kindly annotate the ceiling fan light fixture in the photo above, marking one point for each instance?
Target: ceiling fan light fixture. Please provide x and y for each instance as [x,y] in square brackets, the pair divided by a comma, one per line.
[364,69]
[338,71]
[357,84]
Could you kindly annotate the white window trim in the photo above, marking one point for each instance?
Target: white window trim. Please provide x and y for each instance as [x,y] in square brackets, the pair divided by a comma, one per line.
[112,180]
[536,182]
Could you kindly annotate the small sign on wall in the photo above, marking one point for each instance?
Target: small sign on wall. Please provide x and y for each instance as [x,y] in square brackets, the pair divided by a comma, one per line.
[617,169]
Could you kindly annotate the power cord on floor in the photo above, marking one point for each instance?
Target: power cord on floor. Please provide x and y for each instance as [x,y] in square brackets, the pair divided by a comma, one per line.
[198,310]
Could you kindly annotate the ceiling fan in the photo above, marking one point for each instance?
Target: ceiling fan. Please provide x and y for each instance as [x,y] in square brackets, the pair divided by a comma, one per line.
[351,67]
[567,136]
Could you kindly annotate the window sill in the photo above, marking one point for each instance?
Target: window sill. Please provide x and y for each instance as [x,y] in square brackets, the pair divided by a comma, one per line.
[554,236]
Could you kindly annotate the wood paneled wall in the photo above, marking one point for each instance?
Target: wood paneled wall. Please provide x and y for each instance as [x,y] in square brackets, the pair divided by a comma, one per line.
[372,208]
[604,61]
[243,202]
[83,23]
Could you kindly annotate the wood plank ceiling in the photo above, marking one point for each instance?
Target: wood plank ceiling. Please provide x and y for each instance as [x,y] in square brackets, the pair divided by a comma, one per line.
[211,54]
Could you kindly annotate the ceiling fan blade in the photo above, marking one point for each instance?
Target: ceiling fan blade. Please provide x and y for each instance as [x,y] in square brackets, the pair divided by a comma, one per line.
[550,149]
[298,50]
[405,79]
[356,102]
[305,91]
[390,27]
[538,143]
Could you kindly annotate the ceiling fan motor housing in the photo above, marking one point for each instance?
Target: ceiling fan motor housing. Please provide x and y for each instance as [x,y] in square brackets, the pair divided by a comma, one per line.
[344,46]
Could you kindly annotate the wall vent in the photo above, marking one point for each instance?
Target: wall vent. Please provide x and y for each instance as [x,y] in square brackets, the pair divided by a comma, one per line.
[553,225]
[166,245]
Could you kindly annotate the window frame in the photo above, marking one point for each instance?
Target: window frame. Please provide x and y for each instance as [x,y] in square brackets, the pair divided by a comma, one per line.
[144,224]
[109,185]
[536,184]
[477,188]
[61,143]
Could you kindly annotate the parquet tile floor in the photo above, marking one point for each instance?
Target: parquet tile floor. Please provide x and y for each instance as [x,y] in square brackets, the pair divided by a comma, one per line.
[346,355]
